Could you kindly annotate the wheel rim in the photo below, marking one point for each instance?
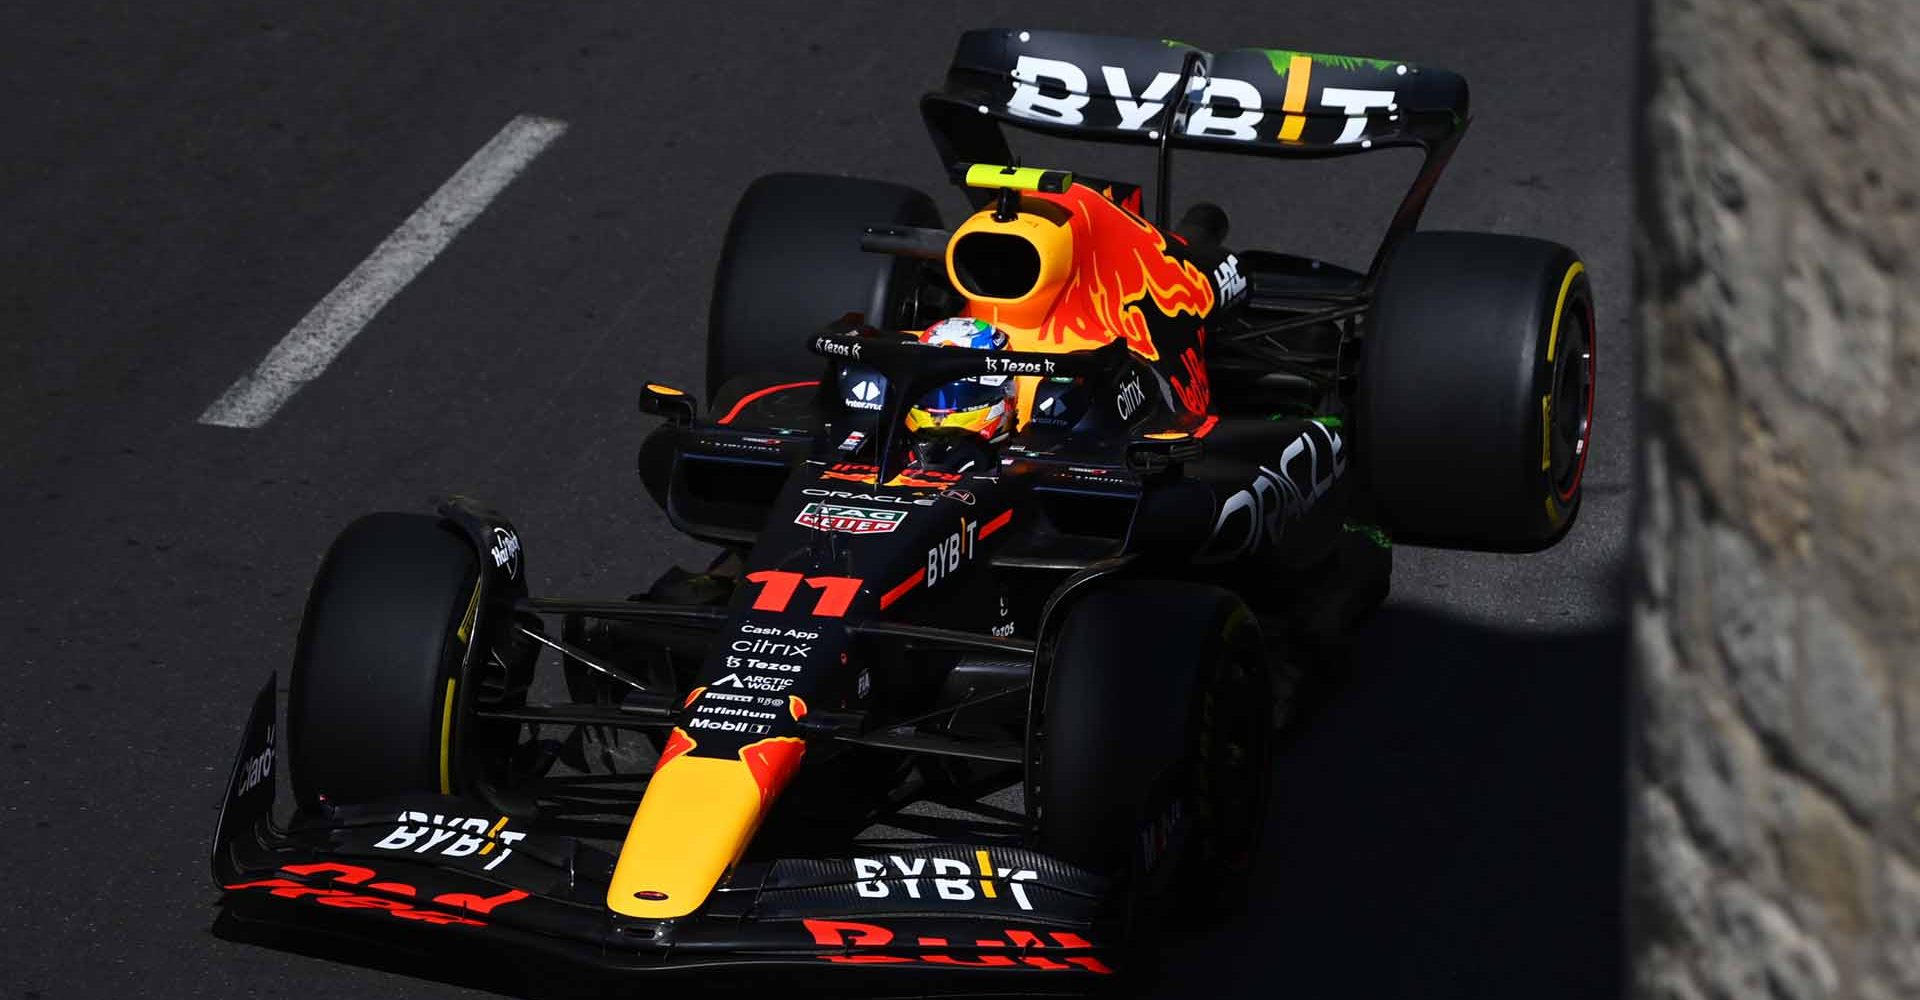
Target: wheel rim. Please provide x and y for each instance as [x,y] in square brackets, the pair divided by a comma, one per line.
[1571,427]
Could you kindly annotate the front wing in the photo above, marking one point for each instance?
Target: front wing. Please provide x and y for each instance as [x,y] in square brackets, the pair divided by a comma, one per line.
[441,875]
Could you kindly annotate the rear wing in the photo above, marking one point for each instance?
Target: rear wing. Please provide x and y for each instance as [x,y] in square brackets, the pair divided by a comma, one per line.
[1169,94]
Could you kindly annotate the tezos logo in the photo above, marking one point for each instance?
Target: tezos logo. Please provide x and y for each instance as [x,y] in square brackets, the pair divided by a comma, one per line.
[506,550]
[452,837]
[834,348]
[1016,366]
[750,663]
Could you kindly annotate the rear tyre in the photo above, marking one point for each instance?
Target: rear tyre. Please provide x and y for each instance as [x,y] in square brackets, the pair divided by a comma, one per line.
[1155,757]
[369,704]
[792,264]
[1475,408]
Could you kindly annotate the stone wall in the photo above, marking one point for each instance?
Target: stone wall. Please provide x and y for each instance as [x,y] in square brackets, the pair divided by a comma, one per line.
[1775,791]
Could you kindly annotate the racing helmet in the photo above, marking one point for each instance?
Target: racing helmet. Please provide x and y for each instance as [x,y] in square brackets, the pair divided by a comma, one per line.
[981,404]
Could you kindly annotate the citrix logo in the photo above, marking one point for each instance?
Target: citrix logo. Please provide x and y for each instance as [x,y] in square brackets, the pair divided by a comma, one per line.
[797,650]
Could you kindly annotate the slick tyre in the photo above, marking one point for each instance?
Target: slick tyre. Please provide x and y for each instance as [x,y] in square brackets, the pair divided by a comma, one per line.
[1154,747]
[792,264]
[369,705]
[1475,408]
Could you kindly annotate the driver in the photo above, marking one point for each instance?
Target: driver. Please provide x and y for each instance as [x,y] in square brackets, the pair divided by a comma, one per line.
[983,404]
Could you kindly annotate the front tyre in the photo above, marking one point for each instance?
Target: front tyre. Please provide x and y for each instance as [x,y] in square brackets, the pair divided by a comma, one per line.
[370,702]
[1154,757]
[792,264]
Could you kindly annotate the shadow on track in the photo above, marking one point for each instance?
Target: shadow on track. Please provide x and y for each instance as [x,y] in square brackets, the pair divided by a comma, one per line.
[1450,822]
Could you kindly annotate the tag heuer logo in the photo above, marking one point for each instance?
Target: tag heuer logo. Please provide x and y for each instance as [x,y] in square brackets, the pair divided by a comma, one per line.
[851,520]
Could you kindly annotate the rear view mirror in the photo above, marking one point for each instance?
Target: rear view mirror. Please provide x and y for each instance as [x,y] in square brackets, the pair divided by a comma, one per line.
[1164,451]
[666,401]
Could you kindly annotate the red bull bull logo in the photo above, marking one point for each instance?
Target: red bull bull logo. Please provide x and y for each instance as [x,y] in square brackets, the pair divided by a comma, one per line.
[1121,264]
[677,743]
[772,762]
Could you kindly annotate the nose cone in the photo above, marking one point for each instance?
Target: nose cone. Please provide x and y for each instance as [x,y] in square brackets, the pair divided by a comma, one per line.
[696,818]
[1013,270]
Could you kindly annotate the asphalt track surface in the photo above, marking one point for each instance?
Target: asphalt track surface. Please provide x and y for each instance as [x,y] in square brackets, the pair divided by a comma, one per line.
[183,182]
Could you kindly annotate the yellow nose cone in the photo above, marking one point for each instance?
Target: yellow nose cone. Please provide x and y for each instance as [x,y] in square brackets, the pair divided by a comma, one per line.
[696,819]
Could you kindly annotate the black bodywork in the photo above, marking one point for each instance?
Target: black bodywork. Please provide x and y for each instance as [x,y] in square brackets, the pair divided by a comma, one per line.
[930,577]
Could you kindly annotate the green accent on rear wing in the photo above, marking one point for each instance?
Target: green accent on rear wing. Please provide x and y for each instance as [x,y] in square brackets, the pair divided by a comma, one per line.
[1283,58]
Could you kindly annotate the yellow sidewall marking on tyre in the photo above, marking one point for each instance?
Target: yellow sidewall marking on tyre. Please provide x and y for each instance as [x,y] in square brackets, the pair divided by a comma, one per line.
[1234,618]
[446,739]
[1553,343]
[463,633]
[1546,432]
[1560,305]
[473,610]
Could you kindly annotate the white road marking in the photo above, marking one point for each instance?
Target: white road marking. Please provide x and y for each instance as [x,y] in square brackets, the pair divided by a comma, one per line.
[331,325]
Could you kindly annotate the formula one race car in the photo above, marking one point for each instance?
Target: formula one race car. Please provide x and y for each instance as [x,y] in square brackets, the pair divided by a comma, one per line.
[1024,528]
